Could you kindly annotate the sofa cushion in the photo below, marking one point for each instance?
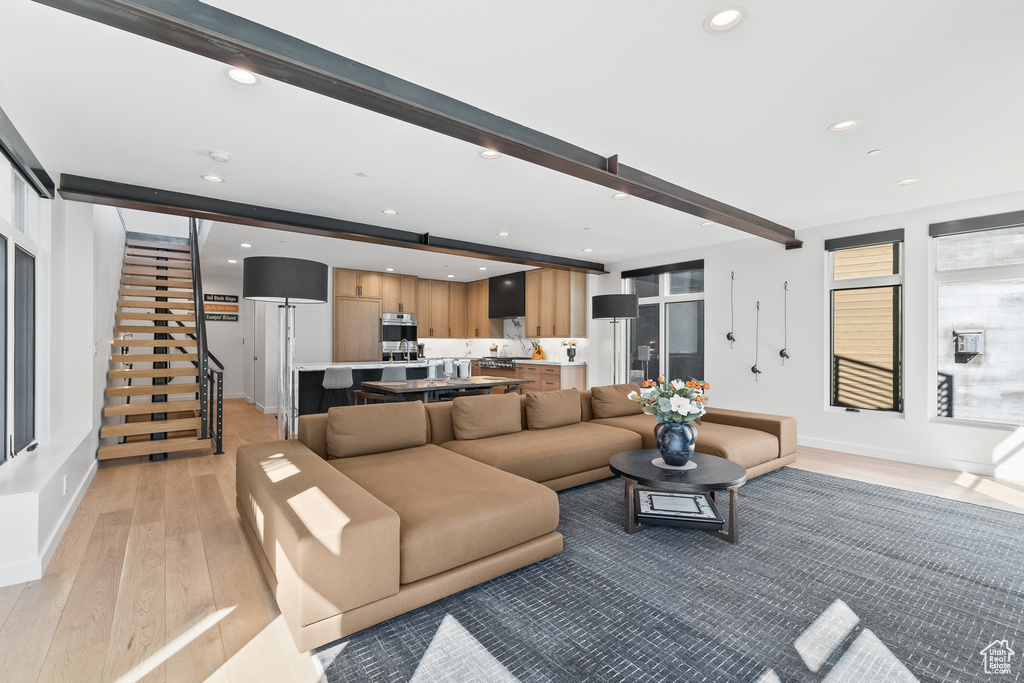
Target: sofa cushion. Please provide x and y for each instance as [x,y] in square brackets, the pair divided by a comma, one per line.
[358,430]
[611,401]
[478,417]
[547,409]
[642,424]
[547,454]
[453,510]
[746,447]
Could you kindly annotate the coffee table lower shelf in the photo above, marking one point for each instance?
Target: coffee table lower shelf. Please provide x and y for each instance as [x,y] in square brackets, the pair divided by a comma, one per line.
[716,523]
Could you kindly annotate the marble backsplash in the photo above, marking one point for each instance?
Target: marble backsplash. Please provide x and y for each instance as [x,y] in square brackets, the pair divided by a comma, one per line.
[513,343]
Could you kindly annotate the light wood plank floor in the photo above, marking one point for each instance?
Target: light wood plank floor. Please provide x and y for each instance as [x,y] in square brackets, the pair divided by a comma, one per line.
[155,581]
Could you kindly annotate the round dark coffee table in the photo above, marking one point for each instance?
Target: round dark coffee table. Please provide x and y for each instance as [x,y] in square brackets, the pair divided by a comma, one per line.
[712,474]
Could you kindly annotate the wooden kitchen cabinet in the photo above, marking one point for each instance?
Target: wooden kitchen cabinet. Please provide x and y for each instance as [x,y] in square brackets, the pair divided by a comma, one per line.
[432,309]
[398,293]
[356,329]
[357,283]
[478,323]
[554,377]
[556,303]
[457,310]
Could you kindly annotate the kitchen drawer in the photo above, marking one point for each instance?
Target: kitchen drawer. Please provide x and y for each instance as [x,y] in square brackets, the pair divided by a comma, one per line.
[551,370]
[551,384]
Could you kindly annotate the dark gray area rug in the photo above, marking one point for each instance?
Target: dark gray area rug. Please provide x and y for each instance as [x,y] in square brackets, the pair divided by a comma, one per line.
[833,580]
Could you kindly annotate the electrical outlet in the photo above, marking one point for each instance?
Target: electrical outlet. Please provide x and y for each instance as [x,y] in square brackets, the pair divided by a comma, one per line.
[65,484]
[95,349]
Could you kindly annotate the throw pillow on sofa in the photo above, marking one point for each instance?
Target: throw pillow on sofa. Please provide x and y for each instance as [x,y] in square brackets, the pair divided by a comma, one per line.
[359,430]
[478,417]
[548,409]
[611,401]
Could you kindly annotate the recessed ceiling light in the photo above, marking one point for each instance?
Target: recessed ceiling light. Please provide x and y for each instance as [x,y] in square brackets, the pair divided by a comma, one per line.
[245,245]
[874,152]
[489,154]
[483,267]
[707,224]
[725,20]
[360,175]
[389,212]
[843,126]
[242,76]
[451,276]
[620,195]
[231,260]
[213,179]
[390,270]
[502,234]
[220,157]
[588,249]
[906,181]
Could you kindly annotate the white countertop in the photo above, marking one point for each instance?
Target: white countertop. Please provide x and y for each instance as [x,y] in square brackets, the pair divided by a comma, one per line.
[377,365]
[563,363]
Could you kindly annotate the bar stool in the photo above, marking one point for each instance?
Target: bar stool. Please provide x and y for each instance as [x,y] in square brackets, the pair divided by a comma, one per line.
[391,373]
[334,378]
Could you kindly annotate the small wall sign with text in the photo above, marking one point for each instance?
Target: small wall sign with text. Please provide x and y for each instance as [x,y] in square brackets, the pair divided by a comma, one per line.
[220,307]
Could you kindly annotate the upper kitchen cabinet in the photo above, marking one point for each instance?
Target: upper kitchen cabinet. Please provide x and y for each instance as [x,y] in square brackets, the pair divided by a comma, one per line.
[457,310]
[432,309]
[398,293]
[357,283]
[556,303]
[478,323]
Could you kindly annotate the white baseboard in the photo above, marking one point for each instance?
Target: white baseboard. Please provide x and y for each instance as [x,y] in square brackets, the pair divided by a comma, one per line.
[982,469]
[51,544]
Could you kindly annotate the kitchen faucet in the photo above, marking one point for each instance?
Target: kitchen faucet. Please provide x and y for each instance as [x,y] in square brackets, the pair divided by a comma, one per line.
[404,347]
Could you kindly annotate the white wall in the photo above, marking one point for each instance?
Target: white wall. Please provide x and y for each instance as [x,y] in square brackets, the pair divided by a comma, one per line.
[226,339]
[800,387]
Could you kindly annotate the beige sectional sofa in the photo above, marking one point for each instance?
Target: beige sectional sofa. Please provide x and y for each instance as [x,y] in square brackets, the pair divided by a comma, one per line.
[376,510]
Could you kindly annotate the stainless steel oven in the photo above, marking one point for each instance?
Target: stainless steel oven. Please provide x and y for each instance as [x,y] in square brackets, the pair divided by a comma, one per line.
[398,336]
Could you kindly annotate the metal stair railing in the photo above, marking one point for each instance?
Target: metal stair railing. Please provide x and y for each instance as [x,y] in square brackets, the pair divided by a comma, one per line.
[211,417]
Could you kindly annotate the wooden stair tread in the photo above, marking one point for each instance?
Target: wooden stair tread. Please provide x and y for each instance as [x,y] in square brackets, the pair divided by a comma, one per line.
[149,373]
[165,294]
[153,282]
[164,246]
[127,450]
[158,263]
[153,390]
[150,427]
[149,408]
[153,329]
[163,343]
[153,357]
[169,305]
[128,315]
[175,273]
[159,253]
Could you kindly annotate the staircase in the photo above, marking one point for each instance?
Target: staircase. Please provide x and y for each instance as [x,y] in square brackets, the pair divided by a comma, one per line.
[163,405]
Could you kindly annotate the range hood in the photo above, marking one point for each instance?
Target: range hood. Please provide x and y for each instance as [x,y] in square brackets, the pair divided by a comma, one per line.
[506,296]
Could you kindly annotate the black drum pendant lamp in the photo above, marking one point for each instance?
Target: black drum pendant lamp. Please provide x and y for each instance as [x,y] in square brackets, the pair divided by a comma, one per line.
[615,307]
[285,281]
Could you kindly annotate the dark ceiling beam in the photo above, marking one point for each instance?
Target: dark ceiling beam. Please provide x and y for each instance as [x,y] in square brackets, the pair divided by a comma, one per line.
[125,196]
[204,30]
[17,151]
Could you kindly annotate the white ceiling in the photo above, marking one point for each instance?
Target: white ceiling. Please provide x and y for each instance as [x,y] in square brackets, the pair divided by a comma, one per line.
[741,116]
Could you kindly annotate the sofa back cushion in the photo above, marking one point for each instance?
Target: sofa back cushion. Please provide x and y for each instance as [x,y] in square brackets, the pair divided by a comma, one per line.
[359,430]
[547,409]
[611,401]
[478,417]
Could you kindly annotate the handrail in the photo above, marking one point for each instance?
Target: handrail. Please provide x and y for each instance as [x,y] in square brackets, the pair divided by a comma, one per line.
[208,352]
[215,378]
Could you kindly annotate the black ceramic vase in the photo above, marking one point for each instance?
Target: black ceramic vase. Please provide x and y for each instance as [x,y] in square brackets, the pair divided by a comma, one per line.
[675,442]
[571,352]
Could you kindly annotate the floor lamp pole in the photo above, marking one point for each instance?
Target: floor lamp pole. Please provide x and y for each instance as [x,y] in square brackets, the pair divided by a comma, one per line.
[286,409]
[615,350]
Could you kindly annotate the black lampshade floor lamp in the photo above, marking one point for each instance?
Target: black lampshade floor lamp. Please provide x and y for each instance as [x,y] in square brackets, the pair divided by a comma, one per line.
[285,281]
[615,307]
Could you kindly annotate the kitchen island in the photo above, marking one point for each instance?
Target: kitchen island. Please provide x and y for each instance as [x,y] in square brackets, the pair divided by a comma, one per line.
[311,376]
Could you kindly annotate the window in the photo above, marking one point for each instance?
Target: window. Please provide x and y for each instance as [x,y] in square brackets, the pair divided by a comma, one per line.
[24,349]
[668,337]
[866,294]
[979,314]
